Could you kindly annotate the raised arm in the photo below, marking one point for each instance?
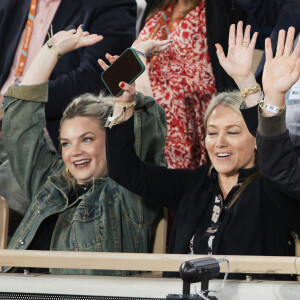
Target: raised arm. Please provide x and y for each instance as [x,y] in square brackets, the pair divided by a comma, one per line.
[30,153]
[276,157]
[61,43]
[126,164]
[237,64]
[238,61]
[78,73]
[149,48]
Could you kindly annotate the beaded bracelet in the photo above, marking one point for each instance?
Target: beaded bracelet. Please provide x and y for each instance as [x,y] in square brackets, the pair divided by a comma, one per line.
[141,53]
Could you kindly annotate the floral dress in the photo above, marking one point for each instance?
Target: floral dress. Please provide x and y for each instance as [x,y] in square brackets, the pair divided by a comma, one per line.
[182,83]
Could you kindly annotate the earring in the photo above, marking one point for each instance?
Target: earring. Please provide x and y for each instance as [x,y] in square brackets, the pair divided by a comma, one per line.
[67,171]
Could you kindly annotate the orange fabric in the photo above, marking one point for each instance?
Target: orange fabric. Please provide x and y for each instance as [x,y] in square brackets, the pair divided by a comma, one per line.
[28,33]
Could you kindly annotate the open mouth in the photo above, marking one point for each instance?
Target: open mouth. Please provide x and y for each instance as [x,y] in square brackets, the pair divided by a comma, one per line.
[81,163]
[223,155]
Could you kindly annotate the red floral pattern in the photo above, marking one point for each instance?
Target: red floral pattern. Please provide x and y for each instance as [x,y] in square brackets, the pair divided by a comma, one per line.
[183,84]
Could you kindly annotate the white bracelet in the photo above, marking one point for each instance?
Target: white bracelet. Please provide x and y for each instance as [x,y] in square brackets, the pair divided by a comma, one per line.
[271,108]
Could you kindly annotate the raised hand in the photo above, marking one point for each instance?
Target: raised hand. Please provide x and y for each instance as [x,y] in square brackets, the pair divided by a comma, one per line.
[63,42]
[67,41]
[238,61]
[282,70]
[128,94]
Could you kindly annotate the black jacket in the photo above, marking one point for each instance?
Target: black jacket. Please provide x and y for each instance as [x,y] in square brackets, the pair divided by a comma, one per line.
[260,223]
[276,155]
[76,72]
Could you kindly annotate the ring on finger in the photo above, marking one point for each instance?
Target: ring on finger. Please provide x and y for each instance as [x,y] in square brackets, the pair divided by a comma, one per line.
[246,44]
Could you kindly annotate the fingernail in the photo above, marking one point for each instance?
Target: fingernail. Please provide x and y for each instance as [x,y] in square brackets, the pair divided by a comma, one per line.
[122,84]
[82,26]
[171,41]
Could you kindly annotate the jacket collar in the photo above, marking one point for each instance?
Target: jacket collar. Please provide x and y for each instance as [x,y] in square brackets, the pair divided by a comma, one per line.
[62,185]
[243,173]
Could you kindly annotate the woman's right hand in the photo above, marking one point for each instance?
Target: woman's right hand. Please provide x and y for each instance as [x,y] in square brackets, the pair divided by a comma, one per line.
[67,41]
[63,42]
[238,61]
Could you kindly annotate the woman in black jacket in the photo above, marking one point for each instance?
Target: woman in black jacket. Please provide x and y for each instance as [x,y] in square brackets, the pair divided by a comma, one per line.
[276,157]
[225,208]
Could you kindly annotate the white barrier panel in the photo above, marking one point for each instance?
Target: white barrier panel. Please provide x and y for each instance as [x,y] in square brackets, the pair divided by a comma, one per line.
[50,286]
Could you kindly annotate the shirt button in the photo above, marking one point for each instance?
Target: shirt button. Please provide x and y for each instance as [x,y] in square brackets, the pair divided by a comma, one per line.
[21,242]
[39,211]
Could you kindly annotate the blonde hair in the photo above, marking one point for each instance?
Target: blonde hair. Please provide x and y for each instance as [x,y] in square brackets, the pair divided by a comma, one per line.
[189,5]
[91,106]
[232,100]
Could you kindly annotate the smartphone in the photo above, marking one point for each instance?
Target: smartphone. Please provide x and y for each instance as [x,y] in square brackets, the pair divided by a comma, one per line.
[128,67]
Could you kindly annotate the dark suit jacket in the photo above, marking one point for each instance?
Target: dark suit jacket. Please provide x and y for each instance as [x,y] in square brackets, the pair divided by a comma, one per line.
[76,72]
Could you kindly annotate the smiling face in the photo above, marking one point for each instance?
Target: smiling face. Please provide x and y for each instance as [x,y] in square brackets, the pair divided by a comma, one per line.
[229,144]
[83,148]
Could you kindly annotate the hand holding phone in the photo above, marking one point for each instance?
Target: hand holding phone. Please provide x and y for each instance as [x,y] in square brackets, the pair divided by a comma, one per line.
[127,68]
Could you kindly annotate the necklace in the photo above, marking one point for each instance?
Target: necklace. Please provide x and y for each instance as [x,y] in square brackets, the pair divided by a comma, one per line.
[84,186]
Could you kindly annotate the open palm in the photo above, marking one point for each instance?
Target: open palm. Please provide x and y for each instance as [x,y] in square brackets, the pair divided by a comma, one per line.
[67,41]
[240,52]
[283,70]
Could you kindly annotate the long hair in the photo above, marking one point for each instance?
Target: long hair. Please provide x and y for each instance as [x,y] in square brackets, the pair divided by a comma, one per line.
[162,5]
[87,105]
[232,100]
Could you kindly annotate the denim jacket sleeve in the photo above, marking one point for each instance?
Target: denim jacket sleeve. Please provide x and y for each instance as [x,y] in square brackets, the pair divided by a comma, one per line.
[150,129]
[30,153]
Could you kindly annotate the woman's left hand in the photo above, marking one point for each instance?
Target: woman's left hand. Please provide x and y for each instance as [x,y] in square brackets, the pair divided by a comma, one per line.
[282,70]
[67,41]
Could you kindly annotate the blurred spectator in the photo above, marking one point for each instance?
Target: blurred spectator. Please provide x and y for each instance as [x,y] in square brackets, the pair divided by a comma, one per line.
[185,77]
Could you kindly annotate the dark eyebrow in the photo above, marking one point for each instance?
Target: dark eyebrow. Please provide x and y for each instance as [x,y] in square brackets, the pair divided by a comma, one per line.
[82,135]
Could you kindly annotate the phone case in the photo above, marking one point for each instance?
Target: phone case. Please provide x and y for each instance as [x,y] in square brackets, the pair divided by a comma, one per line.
[135,73]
